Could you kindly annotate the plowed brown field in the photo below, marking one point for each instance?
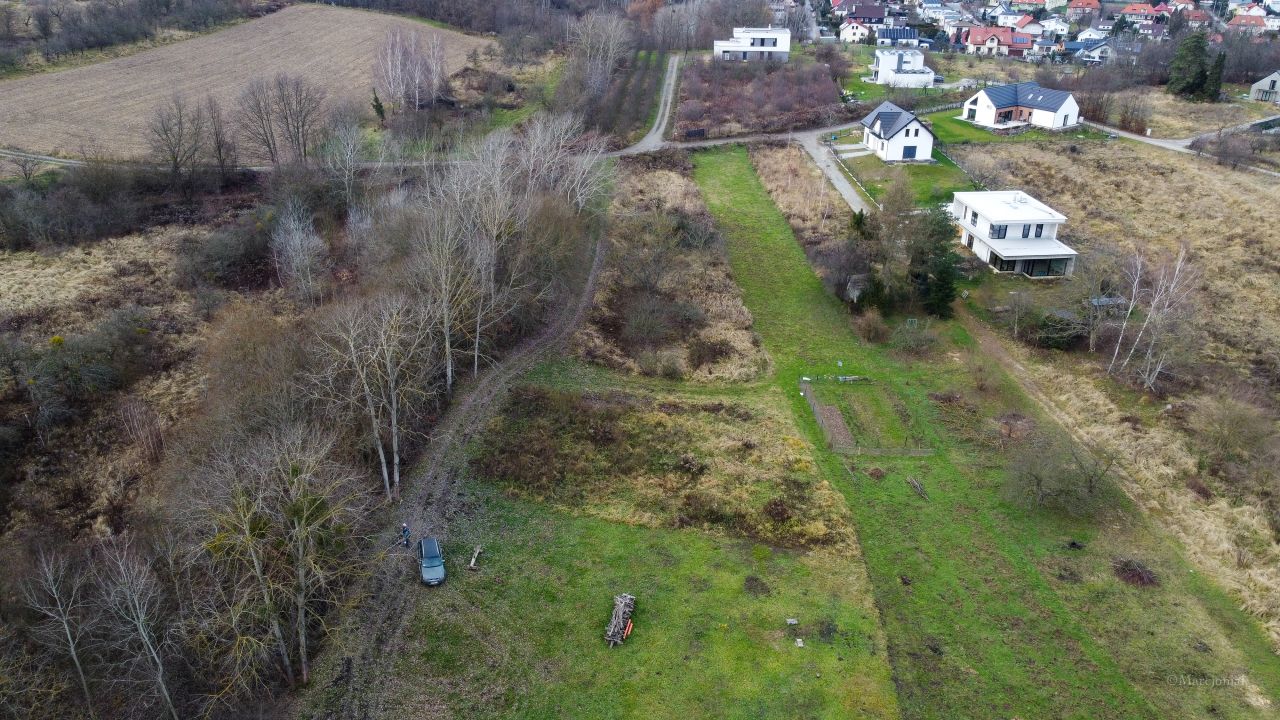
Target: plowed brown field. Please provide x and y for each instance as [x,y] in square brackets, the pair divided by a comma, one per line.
[105,107]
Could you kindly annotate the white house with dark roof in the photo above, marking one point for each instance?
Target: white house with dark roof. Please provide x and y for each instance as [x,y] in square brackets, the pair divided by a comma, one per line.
[1013,233]
[896,135]
[1026,103]
[747,44]
[901,67]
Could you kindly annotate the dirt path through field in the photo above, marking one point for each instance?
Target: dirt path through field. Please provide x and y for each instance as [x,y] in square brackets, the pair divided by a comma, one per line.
[376,631]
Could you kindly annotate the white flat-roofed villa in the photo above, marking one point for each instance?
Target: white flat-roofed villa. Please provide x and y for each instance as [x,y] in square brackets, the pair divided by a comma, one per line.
[901,67]
[1013,233]
[769,43]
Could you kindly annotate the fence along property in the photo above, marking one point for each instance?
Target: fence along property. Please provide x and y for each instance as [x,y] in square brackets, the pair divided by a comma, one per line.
[835,429]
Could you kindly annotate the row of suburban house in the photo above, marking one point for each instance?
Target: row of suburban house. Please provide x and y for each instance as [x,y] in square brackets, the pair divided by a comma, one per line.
[1009,27]
[1010,231]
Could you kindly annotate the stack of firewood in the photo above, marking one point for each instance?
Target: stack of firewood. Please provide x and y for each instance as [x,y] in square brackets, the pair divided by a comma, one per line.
[620,624]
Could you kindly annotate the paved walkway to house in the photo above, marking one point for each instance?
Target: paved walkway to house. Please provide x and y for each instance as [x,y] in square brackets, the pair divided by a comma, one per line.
[851,151]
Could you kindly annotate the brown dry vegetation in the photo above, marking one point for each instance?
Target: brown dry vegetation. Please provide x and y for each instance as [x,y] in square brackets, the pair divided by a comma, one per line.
[1229,542]
[720,466]
[1172,117]
[726,98]
[106,106]
[697,277]
[816,212]
[98,470]
[1134,196]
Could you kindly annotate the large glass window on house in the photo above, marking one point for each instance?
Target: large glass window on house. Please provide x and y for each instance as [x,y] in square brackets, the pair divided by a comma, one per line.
[1053,267]
[1001,264]
[998,232]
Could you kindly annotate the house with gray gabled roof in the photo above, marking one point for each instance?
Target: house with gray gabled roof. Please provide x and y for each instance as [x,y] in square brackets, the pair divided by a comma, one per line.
[1020,104]
[896,135]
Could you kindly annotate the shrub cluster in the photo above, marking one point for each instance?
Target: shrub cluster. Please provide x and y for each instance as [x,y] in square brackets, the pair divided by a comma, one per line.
[78,205]
[59,377]
[756,97]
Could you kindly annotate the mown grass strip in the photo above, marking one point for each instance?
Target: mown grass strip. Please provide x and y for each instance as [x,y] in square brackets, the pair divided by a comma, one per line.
[974,629]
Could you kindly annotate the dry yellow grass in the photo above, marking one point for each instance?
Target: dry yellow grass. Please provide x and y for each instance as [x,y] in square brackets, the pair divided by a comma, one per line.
[816,212]
[1130,196]
[1172,117]
[68,289]
[66,293]
[699,277]
[1233,544]
[106,106]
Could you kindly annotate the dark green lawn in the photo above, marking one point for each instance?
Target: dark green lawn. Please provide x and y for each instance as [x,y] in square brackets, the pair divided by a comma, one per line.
[530,626]
[980,623]
[950,129]
[932,183]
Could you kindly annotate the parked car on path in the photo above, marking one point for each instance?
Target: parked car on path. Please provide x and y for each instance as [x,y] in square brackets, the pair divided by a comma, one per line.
[431,561]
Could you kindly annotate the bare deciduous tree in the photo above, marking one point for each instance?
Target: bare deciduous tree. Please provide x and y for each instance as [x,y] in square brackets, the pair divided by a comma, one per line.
[441,272]
[26,165]
[60,593]
[298,250]
[177,132]
[138,630]
[1166,293]
[298,104]
[379,358]
[279,118]
[341,149]
[280,515]
[598,42]
[222,142]
[410,70]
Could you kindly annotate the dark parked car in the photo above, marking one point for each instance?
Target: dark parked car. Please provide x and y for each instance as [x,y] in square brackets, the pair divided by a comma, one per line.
[431,560]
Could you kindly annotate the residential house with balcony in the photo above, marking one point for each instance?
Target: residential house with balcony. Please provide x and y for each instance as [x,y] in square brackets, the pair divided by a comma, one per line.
[754,44]
[1013,233]
[1267,89]
[901,67]
[1077,9]
[997,41]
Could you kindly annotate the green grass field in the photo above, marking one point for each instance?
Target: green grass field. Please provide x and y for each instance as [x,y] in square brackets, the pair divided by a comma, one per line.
[530,626]
[931,183]
[959,606]
[950,129]
[987,610]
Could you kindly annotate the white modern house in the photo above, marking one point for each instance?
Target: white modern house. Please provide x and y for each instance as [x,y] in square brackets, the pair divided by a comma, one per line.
[1013,233]
[1267,89]
[901,67]
[1026,103]
[1092,33]
[896,135]
[749,44]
